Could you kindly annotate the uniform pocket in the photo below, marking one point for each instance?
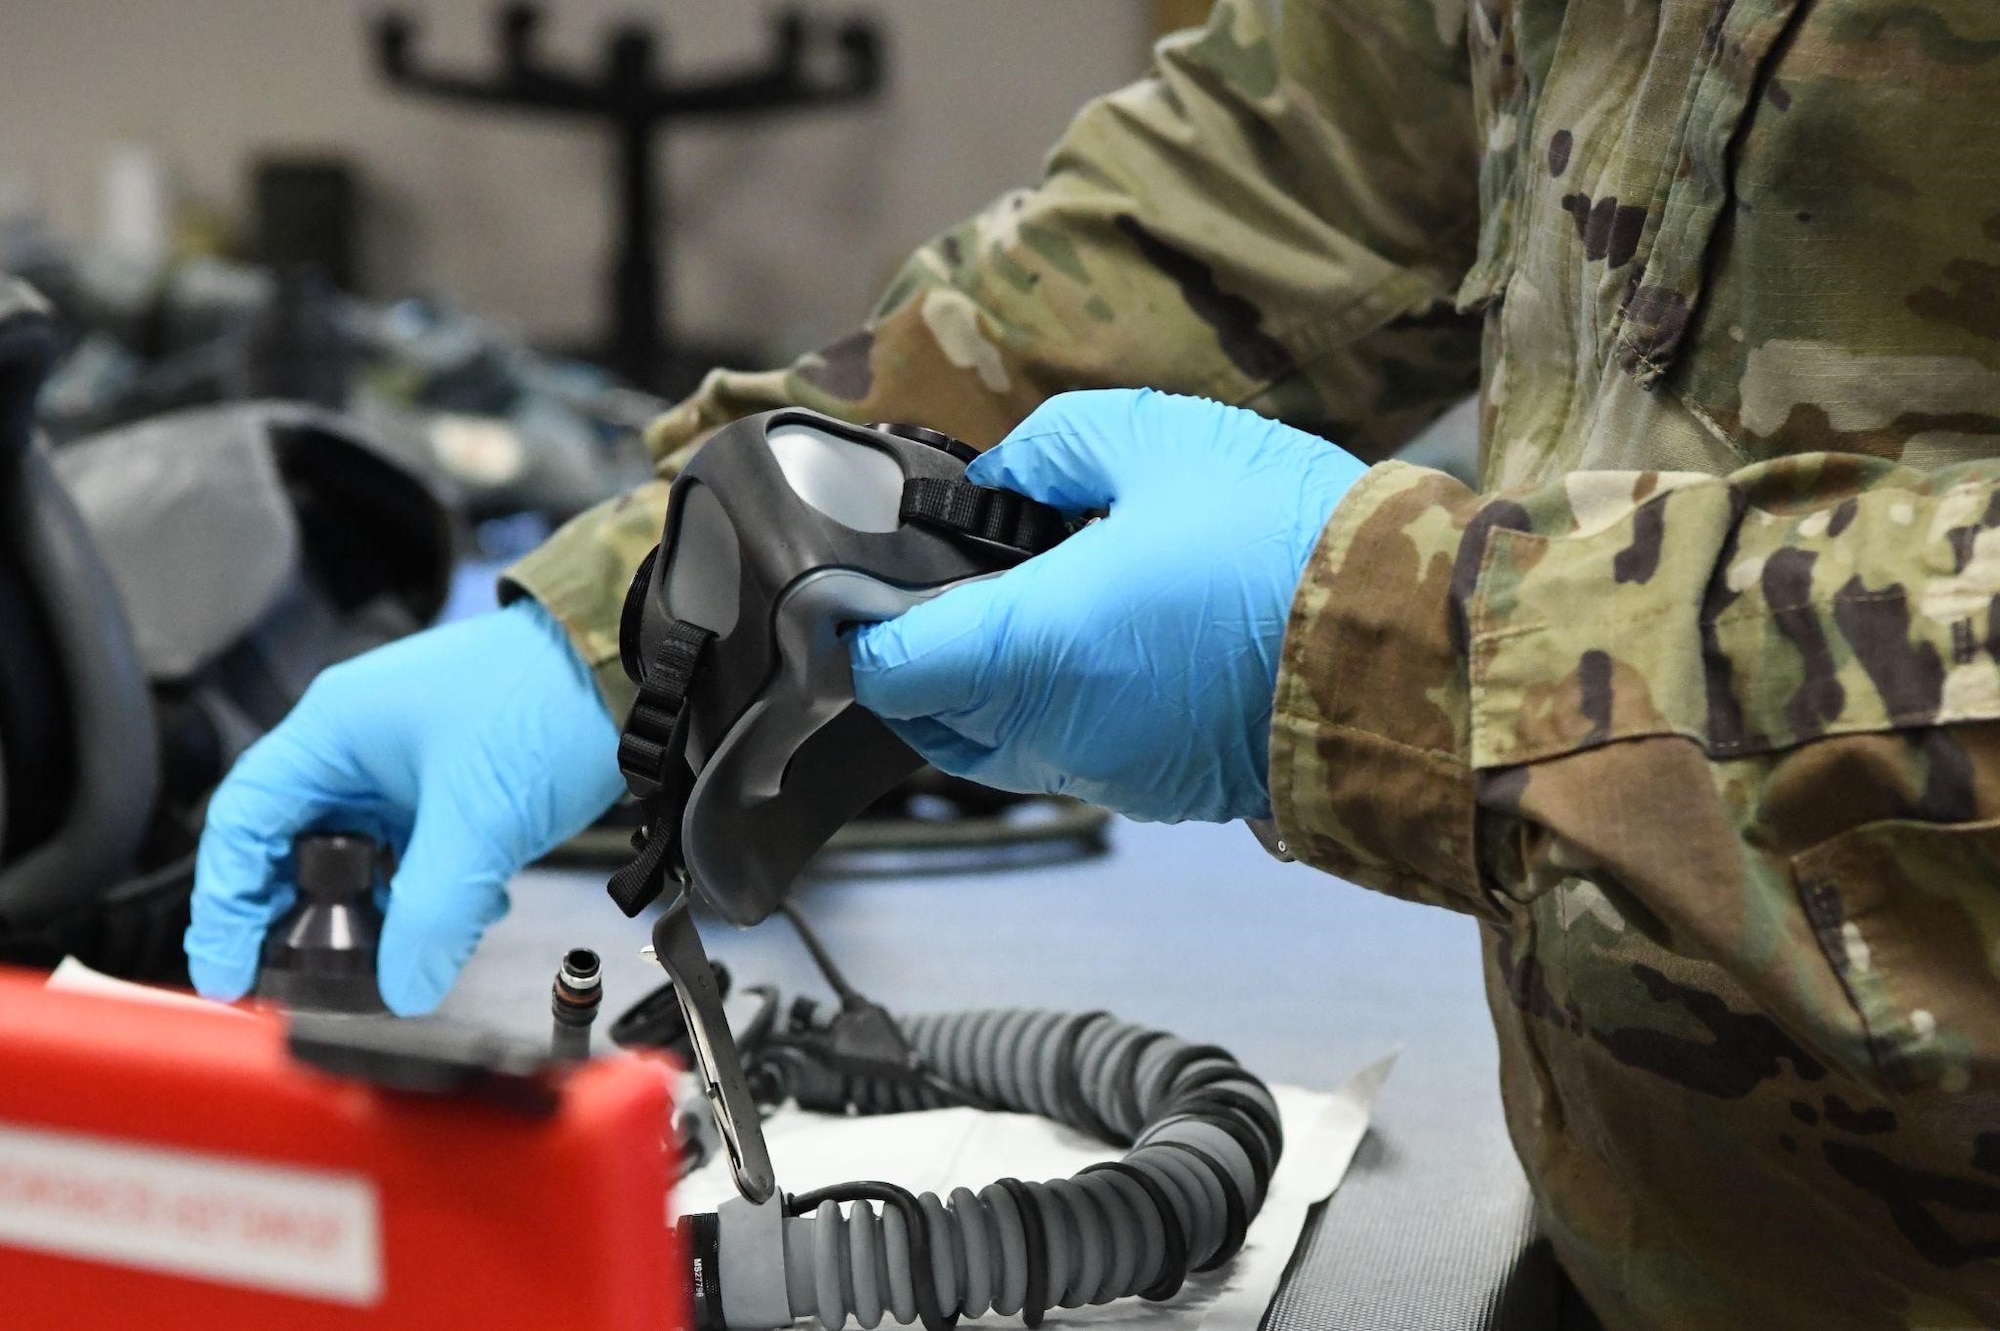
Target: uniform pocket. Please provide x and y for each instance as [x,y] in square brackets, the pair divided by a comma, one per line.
[1848,303]
[1909,916]
[1663,294]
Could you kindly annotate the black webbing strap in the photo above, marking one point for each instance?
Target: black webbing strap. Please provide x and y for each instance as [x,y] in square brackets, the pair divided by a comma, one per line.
[652,753]
[995,517]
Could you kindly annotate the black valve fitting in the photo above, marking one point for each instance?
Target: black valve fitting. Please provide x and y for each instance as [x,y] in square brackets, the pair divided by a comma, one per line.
[574,998]
[320,955]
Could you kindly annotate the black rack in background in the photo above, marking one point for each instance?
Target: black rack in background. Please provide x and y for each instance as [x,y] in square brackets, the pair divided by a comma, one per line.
[636,105]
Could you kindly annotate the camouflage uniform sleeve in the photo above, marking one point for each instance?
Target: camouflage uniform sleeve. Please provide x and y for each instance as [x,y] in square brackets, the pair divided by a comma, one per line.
[1276,216]
[1758,711]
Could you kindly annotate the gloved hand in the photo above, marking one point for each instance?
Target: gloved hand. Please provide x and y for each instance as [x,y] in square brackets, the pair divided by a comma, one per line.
[1133,665]
[471,748]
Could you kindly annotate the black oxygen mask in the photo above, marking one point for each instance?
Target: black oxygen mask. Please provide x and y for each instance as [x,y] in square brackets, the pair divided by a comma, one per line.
[746,745]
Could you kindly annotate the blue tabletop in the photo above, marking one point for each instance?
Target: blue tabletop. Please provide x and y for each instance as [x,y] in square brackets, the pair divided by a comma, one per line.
[1191,928]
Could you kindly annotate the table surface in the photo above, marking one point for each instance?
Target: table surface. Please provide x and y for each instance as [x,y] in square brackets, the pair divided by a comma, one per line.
[1191,928]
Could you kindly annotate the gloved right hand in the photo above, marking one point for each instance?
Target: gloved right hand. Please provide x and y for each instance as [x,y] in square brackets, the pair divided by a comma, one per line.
[1134,664]
[472,748]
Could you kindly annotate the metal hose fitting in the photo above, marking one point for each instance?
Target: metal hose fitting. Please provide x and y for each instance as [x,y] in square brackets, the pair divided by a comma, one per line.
[574,998]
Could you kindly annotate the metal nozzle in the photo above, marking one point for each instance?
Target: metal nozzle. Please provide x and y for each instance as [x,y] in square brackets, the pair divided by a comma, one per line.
[573,1002]
[321,955]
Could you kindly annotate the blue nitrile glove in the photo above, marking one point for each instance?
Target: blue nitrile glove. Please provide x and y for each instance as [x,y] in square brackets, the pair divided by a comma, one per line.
[471,748]
[1133,665]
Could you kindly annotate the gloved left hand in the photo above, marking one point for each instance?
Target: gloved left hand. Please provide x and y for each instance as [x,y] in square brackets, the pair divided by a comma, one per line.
[471,748]
[1133,665]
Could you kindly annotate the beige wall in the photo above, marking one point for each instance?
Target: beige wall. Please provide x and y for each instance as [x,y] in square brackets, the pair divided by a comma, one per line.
[782,231]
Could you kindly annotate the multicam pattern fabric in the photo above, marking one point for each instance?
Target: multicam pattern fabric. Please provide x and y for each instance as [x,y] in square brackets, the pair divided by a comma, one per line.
[1697,706]
[1713,759]
[1256,223]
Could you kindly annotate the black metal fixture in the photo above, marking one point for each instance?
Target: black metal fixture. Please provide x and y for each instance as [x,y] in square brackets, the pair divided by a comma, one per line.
[627,96]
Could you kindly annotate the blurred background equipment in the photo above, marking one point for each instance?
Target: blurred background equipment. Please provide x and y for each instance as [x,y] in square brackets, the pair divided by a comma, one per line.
[167,592]
[304,214]
[246,207]
[635,105]
[784,228]
[499,429]
[79,770]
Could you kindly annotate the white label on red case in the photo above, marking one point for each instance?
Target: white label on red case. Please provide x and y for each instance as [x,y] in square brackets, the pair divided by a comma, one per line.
[210,1217]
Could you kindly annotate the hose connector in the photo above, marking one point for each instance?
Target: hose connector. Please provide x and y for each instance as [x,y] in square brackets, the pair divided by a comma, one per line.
[573,1002]
[736,1266]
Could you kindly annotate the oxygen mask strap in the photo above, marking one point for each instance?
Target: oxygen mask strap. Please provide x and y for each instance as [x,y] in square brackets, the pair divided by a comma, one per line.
[1004,522]
[652,753]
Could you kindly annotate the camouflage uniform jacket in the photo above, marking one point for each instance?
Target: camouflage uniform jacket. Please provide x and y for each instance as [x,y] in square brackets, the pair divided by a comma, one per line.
[1697,706]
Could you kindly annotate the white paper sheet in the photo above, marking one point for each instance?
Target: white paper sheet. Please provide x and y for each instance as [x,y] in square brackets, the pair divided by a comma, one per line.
[939,1149]
[72,976]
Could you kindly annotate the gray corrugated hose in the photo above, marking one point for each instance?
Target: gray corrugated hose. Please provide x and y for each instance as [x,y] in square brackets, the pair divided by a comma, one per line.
[1204,1138]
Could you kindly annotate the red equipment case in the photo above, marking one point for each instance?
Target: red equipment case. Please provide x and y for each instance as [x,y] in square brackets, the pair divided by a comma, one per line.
[170,1167]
